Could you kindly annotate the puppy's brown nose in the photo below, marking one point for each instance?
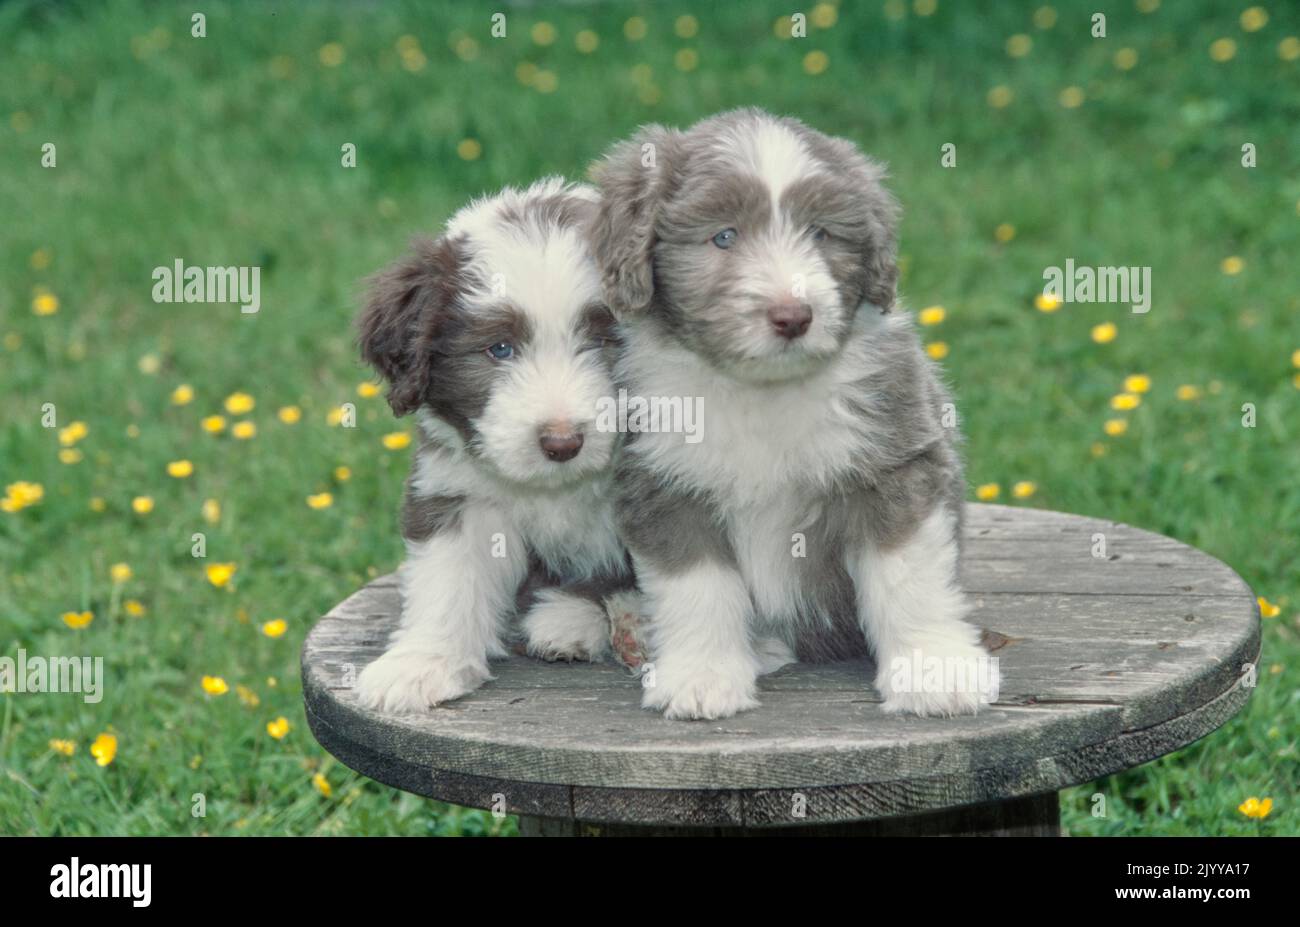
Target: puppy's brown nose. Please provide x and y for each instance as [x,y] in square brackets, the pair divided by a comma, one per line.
[560,441]
[789,317]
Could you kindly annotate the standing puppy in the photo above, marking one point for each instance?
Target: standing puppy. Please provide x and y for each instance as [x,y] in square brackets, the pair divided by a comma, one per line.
[752,262]
[496,336]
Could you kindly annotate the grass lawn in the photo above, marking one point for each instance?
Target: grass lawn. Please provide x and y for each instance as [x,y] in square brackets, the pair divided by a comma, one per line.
[226,150]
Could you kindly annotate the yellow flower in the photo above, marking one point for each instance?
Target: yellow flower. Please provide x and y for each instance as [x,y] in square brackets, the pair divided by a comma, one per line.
[1256,808]
[686,59]
[290,415]
[1137,383]
[1222,50]
[987,492]
[331,54]
[142,505]
[687,26]
[322,784]
[1019,45]
[543,33]
[45,303]
[467,149]
[243,430]
[134,607]
[396,440]
[1115,427]
[1004,232]
[278,728]
[586,41]
[334,416]
[1097,449]
[183,395]
[824,15]
[1267,609]
[97,504]
[40,259]
[932,315]
[78,620]
[1187,392]
[1232,265]
[220,573]
[1289,48]
[119,572]
[104,749]
[149,364]
[214,424]
[1295,358]
[70,455]
[321,500]
[816,62]
[342,474]
[1126,59]
[73,433]
[1124,402]
[214,685]
[239,403]
[1072,97]
[1254,18]
[634,29]
[247,696]
[65,747]
[924,7]
[20,495]
[1024,489]
[1104,333]
[275,628]
[180,469]
[211,511]
[937,349]
[1000,96]
[1044,17]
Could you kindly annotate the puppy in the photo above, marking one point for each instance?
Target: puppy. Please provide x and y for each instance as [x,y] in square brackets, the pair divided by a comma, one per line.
[497,338]
[751,261]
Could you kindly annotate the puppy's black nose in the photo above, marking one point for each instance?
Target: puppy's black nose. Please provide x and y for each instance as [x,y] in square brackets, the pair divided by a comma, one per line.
[560,441]
[789,317]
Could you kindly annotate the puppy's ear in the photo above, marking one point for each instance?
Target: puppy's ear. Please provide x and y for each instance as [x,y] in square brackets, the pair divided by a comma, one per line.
[882,255]
[406,307]
[633,177]
[880,232]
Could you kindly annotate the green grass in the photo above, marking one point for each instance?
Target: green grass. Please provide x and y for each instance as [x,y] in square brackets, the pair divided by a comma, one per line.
[226,150]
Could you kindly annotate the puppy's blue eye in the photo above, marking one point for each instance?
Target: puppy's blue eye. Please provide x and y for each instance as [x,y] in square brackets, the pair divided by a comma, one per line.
[725,239]
[818,233]
[502,350]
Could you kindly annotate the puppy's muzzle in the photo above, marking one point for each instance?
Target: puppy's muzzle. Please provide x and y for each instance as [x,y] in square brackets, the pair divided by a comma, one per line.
[789,317]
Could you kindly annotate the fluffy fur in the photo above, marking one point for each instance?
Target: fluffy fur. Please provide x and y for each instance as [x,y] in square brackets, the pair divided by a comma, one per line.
[821,512]
[496,336]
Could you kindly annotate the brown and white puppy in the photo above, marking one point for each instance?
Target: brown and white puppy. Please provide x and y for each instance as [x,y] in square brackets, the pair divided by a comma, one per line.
[751,260]
[497,337]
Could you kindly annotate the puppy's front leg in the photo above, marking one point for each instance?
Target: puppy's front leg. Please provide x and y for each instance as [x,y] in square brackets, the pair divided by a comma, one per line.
[704,664]
[928,658]
[457,587]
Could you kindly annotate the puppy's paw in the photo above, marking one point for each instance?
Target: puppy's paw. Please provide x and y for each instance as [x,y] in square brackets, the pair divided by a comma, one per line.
[561,626]
[706,694]
[626,636]
[404,681]
[943,678]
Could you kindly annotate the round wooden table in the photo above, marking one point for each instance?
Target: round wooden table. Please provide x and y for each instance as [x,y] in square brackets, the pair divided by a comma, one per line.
[1116,646]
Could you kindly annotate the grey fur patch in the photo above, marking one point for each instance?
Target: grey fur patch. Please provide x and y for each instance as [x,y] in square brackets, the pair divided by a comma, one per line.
[425,516]
[671,529]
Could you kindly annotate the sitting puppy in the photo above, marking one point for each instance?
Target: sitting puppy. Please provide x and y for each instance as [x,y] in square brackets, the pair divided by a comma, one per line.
[496,336]
[751,261]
